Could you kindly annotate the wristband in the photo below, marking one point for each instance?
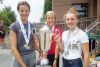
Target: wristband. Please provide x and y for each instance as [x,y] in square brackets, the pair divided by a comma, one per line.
[55,58]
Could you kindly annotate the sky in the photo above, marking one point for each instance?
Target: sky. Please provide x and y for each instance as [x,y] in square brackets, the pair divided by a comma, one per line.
[36,8]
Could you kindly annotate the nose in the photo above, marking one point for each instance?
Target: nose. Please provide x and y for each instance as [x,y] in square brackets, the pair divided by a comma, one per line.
[50,19]
[69,20]
[24,12]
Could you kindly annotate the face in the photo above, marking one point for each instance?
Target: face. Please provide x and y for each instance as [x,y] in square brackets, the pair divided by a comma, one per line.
[50,19]
[71,20]
[24,12]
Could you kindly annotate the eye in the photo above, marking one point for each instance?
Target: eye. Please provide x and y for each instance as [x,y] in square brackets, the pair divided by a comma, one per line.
[52,18]
[67,19]
[48,18]
[21,10]
[26,10]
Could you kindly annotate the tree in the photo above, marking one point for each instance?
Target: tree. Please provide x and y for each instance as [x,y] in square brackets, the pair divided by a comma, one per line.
[8,16]
[47,7]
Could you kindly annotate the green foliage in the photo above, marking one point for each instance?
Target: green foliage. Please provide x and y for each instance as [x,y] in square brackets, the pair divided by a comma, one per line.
[8,16]
[42,19]
[47,7]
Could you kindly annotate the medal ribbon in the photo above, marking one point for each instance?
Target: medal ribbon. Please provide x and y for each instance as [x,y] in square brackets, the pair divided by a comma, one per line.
[69,39]
[27,38]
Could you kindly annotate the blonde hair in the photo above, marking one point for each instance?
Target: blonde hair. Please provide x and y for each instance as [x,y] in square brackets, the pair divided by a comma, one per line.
[72,10]
[50,12]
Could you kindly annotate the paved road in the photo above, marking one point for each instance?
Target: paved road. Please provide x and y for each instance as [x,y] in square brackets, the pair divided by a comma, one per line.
[5,57]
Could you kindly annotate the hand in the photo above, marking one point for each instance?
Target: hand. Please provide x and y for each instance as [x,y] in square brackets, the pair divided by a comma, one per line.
[59,42]
[40,56]
[35,36]
[36,41]
[43,55]
[54,63]
[24,65]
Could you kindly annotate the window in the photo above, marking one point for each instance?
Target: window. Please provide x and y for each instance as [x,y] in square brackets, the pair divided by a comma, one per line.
[82,8]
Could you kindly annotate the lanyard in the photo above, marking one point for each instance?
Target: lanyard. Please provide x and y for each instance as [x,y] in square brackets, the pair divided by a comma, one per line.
[69,37]
[27,38]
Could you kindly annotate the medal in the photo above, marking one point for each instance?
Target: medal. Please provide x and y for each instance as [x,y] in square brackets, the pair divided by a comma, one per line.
[66,53]
[26,46]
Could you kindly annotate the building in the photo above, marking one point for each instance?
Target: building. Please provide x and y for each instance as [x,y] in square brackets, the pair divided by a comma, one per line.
[89,12]
[86,8]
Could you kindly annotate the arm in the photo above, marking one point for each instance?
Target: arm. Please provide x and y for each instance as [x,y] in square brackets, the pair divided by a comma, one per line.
[36,44]
[56,56]
[59,47]
[59,43]
[56,52]
[13,46]
[85,48]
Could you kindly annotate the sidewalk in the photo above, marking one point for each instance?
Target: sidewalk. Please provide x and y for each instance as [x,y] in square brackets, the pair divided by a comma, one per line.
[5,57]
